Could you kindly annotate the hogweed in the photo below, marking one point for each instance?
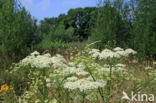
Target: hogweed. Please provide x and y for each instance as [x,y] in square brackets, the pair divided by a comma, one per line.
[37,61]
[86,71]
[84,84]
[115,53]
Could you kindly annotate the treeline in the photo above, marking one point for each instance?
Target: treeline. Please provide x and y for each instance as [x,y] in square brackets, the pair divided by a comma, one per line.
[127,24]
[114,23]
[18,30]
[74,26]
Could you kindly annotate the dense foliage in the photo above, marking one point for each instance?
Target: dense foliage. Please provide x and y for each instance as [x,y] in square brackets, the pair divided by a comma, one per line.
[114,23]
[67,69]
[124,23]
[91,75]
[17,28]
[74,26]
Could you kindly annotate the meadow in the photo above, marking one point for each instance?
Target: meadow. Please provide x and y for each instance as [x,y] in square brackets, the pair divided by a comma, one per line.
[86,76]
[102,54]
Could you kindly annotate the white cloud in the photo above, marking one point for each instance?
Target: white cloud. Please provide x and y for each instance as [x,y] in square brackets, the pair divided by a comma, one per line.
[44,4]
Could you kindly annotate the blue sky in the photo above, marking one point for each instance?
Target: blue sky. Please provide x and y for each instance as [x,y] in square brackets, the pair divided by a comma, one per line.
[52,8]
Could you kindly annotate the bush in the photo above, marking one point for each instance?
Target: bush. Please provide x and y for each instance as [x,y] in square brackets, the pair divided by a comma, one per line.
[62,34]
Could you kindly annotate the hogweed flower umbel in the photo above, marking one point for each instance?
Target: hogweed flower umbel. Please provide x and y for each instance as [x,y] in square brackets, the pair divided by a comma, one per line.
[115,53]
[84,84]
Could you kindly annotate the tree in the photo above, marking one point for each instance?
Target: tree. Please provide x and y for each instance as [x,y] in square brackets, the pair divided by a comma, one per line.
[106,27]
[17,28]
[47,25]
[77,21]
[144,30]
[80,20]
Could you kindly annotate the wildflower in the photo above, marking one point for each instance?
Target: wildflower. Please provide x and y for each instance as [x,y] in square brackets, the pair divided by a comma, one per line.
[118,49]
[48,80]
[49,85]
[37,61]
[120,65]
[81,65]
[106,70]
[116,53]
[70,70]
[130,51]
[44,61]
[54,101]
[73,78]
[82,73]
[11,88]
[58,61]
[4,88]
[71,64]
[83,84]
[148,68]
[121,53]
[95,55]
[152,74]
[106,53]
[93,51]
[106,65]
[35,53]
[47,55]
[118,68]
[89,78]
[70,85]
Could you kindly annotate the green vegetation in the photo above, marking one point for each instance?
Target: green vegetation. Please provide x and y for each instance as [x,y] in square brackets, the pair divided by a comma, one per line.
[87,76]
[77,63]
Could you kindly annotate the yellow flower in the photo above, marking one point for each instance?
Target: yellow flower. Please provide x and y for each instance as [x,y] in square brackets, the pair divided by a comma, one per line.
[6,88]
[3,86]
[11,88]
[0,90]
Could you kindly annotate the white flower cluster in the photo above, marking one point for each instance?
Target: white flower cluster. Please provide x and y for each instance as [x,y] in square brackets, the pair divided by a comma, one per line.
[37,60]
[71,68]
[84,84]
[73,78]
[151,72]
[106,53]
[48,81]
[152,75]
[82,73]
[44,61]
[115,53]
[94,52]
[120,65]
[115,69]
[58,61]
[74,82]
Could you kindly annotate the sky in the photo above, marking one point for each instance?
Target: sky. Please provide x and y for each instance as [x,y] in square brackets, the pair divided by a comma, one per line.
[53,8]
